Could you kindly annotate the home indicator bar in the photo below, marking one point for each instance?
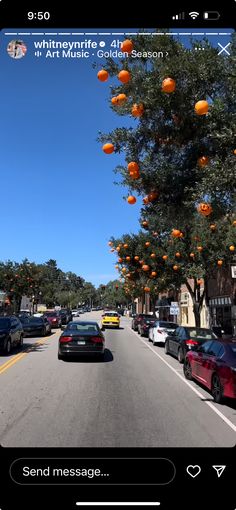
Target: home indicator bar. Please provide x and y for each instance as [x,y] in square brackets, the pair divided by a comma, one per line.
[117,503]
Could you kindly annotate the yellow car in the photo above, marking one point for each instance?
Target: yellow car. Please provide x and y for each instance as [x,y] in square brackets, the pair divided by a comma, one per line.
[110,319]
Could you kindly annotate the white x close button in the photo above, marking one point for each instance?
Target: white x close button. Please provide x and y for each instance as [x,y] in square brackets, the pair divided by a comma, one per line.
[224,49]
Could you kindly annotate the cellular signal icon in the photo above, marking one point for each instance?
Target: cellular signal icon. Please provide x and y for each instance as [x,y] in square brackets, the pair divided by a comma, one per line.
[181,15]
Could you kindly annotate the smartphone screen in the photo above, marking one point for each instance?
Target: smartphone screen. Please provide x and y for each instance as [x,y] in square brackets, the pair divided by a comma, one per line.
[118,268]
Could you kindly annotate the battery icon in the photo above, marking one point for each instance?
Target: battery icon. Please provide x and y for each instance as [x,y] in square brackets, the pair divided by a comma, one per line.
[211,15]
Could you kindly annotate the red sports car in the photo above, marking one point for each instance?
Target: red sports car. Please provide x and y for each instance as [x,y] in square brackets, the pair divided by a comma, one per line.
[213,364]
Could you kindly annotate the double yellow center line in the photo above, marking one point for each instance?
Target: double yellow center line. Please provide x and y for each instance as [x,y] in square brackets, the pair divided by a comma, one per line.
[20,356]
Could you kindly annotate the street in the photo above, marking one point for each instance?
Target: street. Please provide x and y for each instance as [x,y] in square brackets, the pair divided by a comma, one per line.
[137,397]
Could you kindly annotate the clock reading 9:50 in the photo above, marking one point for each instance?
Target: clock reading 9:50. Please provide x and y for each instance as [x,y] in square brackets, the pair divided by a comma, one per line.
[38,15]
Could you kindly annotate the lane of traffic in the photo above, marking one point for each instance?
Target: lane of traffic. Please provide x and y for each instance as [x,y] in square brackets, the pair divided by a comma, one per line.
[130,399]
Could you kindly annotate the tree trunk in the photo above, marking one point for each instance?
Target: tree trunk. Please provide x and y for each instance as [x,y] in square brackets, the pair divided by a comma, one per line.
[17,303]
[152,303]
[197,315]
[197,301]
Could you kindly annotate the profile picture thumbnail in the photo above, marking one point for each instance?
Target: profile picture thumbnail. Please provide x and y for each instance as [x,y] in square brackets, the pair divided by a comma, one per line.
[16,49]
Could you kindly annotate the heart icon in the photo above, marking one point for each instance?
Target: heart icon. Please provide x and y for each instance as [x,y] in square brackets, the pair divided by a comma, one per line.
[193,471]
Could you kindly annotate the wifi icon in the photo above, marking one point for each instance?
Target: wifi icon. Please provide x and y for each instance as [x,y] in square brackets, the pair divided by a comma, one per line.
[194,14]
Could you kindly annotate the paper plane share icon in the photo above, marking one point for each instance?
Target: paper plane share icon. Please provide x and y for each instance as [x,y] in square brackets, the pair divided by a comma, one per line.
[219,470]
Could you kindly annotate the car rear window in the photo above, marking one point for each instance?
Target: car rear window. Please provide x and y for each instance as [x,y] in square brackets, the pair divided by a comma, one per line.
[168,325]
[205,333]
[37,320]
[51,314]
[110,314]
[82,327]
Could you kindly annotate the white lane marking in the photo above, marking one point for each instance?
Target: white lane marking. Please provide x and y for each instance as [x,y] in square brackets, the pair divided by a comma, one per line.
[198,393]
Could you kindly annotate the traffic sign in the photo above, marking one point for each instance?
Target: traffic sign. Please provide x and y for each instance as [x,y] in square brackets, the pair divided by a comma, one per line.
[174,310]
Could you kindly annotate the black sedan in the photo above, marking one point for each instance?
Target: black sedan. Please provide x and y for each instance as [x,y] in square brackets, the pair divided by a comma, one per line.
[81,338]
[66,315]
[137,320]
[146,322]
[185,338]
[11,333]
[35,326]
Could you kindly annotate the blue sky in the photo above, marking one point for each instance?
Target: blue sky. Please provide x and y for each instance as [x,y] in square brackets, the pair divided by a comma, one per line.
[58,199]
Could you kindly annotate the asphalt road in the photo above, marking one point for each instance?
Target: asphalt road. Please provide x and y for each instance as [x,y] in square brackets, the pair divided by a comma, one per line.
[136,397]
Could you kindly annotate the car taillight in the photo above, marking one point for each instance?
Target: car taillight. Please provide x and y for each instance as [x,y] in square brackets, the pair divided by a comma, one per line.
[97,339]
[65,339]
[190,342]
[54,320]
[160,331]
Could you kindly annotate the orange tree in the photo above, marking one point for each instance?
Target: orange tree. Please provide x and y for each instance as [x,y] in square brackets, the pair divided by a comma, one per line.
[142,264]
[180,152]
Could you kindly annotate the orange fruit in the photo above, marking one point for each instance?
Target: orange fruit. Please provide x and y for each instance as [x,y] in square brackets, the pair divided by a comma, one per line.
[127,46]
[124,76]
[201,107]
[168,85]
[108,148]
[103,75]
[131,200]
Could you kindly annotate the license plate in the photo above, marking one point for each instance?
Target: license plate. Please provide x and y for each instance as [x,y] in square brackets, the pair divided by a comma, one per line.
[81,342]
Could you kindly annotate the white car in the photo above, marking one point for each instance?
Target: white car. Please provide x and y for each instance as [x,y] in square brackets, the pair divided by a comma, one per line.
[160,330]
[75,313]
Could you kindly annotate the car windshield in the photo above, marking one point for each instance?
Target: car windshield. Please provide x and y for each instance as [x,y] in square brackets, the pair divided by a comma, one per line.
[168,325]
[51,314]
[81,328]
[205,333]
[4,322]
[111,314]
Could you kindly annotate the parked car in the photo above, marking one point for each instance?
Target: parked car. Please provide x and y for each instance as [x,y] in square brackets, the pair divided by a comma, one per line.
[218,331]
[185,338]
[54,319]
[81,337]
[66,315]
[160,330]
[136,320]
[36,326]
[213,364]
[11,333]
[110,319]
[75,313]
[24,312]
[145,323]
